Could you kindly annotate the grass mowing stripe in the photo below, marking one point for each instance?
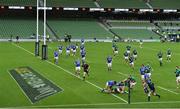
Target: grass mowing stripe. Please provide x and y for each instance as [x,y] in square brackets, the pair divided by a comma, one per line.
[167,90]
[70,73]
[98,104]
[20,87]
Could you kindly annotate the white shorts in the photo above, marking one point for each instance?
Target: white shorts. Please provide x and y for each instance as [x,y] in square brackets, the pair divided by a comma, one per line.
[77,47]
[168,56]
[160,59]
[132,63]
[178,79]
[68,52]
[116,52]
[78,68]
[83,58]
[141,43]
[74,51]
[135,56]
[60,51]
[56,58]
[128,51]
[133,83]
[109,64]
[125,58]
[142,77]
[149,74]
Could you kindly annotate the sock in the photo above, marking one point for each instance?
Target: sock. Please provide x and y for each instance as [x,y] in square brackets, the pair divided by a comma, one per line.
[149,98]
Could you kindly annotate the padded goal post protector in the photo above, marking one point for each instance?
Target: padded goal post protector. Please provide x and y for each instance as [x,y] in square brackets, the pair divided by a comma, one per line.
[37,48]
[35,86]
[44,52]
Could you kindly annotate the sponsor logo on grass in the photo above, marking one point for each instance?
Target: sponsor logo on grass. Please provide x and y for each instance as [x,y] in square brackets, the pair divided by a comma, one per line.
[35,86]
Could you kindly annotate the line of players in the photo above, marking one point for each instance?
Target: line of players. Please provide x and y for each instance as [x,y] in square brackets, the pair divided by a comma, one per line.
[72,50]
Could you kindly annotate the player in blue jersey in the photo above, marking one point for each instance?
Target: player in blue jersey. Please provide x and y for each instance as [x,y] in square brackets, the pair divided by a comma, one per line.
[142,71]
[108,86]
[68,50]
[56,56]
[82,41]
[152,90]
[83,55]
[109,63]
[60,49]
[148,70]
[126,56]
[77,67]
[82,48]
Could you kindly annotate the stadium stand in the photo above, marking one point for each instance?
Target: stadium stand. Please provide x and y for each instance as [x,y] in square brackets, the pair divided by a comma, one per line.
[18,2]
[122,3]
[136,33]
[165,4]
[117,23]
[24,28]
[78,28]
[71,3]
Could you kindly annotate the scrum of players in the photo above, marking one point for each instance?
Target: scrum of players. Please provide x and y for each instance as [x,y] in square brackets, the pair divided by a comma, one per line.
[129,57]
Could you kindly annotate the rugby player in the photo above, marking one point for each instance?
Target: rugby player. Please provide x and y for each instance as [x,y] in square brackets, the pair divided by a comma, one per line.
[177,72]
[86,70]
[140,43]
[126,56]
[131,62]
[108,86]
[128,49]
[152,90]
[169,55]
[68,51]
[56,55]
[60,49]
[142,72]
[77,67]
[109,63]
[160,56]
[83,55]
[135,54]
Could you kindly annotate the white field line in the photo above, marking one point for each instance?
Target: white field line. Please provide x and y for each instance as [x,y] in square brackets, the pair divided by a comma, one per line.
[96,104]
[20,88]
[149,5]
[122,74]
[70,73]
[167,90]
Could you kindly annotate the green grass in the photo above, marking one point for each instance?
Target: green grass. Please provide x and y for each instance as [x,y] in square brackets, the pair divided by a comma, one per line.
[77,91]
[165,4]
